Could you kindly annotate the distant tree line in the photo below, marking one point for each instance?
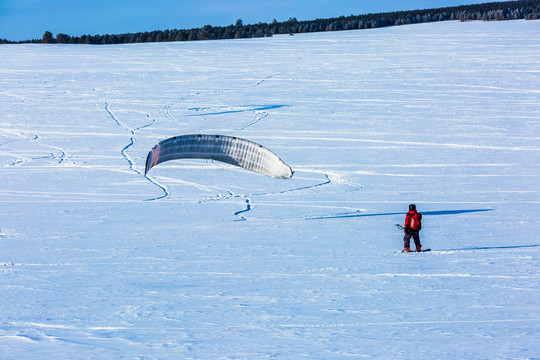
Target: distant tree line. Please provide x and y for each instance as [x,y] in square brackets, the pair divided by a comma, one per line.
[509,10]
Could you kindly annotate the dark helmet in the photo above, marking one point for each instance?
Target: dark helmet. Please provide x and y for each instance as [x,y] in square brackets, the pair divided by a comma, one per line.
[412,207]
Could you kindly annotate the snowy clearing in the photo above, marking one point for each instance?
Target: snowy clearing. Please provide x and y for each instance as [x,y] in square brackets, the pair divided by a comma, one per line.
[203,260]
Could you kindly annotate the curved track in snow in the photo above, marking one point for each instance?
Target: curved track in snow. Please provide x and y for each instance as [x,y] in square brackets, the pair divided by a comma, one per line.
[132,141]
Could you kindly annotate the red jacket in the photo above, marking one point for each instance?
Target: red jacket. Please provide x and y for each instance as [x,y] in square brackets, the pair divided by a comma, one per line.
[413,220]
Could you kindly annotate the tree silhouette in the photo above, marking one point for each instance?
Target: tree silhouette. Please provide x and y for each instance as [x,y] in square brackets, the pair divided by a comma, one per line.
[509,10]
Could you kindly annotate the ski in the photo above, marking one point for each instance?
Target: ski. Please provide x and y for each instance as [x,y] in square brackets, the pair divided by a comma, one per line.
[414,251]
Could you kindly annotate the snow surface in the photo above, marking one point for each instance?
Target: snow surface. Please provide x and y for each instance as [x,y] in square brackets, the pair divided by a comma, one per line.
[203,260]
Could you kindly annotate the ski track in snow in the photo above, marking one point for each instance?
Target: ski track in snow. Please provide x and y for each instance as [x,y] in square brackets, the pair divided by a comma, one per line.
[248,208]
[124,152]
[167,108]
[35,139]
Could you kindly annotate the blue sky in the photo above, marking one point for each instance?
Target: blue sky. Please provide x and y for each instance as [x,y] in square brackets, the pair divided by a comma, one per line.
[29,19]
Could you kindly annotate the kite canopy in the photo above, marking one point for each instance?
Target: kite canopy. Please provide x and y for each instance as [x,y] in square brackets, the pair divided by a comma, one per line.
[227,149]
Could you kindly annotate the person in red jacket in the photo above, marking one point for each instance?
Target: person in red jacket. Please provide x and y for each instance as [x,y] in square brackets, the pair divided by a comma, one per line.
[413,224]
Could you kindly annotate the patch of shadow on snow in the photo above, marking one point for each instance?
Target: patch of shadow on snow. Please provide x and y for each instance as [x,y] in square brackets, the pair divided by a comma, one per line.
[494,247]
[439,212]
[246,109]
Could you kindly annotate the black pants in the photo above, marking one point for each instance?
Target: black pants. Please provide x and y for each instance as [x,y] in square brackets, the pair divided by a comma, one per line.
[415,236]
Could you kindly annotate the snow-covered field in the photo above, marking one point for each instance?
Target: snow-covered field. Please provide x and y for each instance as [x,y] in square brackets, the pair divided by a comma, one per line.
[202,260]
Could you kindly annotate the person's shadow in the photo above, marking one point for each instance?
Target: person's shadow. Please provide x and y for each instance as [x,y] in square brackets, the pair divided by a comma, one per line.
[424,213]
